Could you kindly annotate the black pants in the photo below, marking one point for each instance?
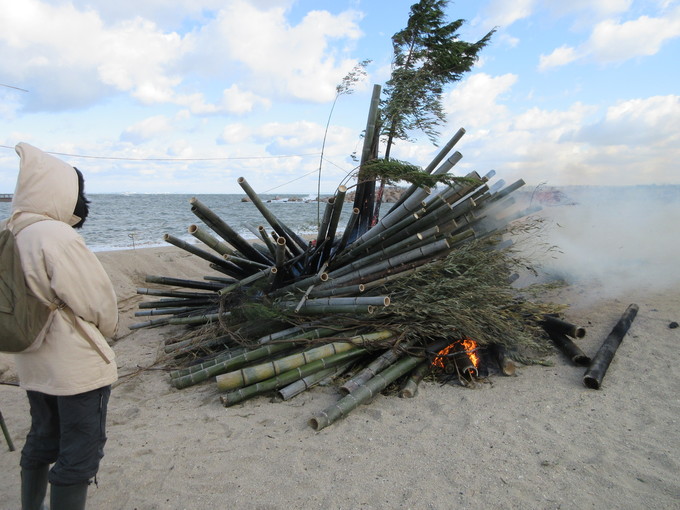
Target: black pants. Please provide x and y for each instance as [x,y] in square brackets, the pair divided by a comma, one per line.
[69,432]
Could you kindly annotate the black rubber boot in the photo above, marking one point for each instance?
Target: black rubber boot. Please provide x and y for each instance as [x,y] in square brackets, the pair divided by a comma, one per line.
[68,497]
[33,488]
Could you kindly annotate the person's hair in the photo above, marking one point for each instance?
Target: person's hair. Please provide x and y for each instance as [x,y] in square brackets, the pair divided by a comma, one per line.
[82,205]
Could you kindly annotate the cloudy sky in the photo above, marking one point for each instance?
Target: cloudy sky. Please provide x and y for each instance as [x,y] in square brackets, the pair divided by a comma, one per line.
[188,95]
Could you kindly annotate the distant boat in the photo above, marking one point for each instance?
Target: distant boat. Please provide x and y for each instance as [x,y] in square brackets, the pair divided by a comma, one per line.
[5,197]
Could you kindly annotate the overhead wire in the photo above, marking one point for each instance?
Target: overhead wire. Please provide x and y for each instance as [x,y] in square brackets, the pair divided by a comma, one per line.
[120,158]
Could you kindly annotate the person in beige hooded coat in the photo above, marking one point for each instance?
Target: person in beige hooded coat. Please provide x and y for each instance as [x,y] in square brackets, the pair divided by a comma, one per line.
[68,371]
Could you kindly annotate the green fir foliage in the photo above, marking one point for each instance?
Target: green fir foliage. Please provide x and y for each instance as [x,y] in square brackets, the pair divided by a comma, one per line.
[428,55]
[394,171]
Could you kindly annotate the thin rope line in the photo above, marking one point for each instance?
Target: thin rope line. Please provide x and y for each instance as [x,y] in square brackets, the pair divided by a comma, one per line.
[171,159]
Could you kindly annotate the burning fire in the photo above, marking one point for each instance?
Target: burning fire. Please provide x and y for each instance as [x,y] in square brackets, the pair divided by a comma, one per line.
[469,347]
[438,360]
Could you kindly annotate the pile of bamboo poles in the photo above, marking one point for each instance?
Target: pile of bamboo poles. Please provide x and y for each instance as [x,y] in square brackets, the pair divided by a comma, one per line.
[321,292]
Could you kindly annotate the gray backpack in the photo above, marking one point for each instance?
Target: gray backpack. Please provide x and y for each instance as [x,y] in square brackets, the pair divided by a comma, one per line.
[22,315]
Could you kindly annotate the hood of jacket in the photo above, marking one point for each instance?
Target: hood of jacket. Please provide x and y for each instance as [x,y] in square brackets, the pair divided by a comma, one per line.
[46,185]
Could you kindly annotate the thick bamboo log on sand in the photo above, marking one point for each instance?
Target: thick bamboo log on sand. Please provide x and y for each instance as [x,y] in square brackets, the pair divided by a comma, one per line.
[598,368]
[363,393]
[250,375]
[288,377]
[561,326]
[410,387]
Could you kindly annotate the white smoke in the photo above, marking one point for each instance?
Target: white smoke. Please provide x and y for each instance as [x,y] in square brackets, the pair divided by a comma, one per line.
[621,239]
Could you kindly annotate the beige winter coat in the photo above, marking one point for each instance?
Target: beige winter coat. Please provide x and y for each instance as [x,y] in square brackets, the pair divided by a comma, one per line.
[71,358]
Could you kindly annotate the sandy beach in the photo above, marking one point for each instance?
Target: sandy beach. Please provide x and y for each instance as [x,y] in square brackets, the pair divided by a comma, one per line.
[540,439]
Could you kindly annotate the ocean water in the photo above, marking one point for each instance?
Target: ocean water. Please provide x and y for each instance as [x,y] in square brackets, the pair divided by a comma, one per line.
[594,226]
[126,221]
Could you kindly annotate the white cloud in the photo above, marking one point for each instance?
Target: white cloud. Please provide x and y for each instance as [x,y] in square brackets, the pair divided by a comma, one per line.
[234,134]
[474,102]
[71,55]
[147,129]
[144,73]
[70,58]
[597,8]
[635,141]
[503,13]
[653,121]
[559,57]
[283,59]
[612,41]
[239,101]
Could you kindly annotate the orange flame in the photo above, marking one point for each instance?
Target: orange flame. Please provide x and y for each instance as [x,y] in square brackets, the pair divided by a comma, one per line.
[470,347]
[438,360]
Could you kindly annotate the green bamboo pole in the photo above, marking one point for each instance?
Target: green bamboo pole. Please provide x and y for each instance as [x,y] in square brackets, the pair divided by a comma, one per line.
[337,309]
[280,228]
[414,203]
[173,293]
[335,218]
[323,228]
[178,282]
[166,311]
[378,282]
[410,387]
[294,335]
[349,290]
[150,324]
[301,285]
[235,273]
[392,262]
[360,198]
[193,250]
[192,344]
[220,358]
[333,301]
[250,375]
[246,281]
[172,303]
[267,240]
[232,363]
[288,377]
[508,189]
[245,262]
[212,242]
[438,158]
[380,254]
[356,250]
[280,253]
[297,387]
[351,223]
[198,319]
[225,231]
[364,393]
[293,331]
[386,359]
